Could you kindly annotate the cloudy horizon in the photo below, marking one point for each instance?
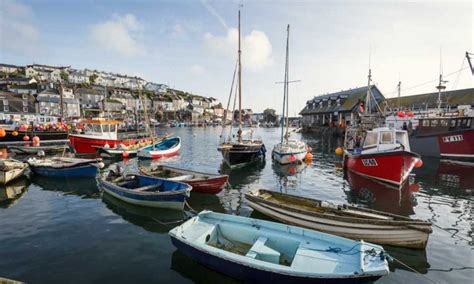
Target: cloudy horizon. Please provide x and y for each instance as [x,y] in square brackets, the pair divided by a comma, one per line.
[192,45]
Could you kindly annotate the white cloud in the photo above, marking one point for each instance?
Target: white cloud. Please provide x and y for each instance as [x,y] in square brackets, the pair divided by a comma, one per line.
[120,34]
[196,70]
[17,34]
[256,47]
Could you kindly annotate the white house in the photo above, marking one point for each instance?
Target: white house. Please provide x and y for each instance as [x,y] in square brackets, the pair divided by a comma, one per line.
[78,77]
[156,88]
[8,68]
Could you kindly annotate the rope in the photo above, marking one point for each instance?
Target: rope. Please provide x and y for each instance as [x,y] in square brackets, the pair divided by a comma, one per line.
[411,269]
[166,223]
[190,208]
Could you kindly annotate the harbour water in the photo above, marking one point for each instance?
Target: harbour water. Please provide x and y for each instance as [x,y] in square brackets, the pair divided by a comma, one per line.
[65,231]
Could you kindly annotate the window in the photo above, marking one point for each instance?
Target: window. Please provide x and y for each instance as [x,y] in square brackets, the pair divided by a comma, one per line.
[386,138]
[25,103]
[443,122]
[401,138]
[426,123]
[25,109]
[5,102]
[434,123]
[468,123]
[105,128]
[453,123]
[25,96]
[112,128]
[6,108]
[370,139]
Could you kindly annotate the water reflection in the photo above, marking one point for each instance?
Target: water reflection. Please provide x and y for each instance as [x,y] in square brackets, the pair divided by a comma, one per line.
[414,258]
[82,187]
[380,196]
[288,176]
[196,272]
[151,219]
[242,176]
[11,192]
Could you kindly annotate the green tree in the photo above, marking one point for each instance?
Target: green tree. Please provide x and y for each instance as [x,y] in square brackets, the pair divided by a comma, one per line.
[64,76]
[92,78]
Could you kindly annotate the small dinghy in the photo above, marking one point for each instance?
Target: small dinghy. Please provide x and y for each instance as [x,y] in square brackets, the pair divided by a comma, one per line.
[118,152]
[65,167]
[201,182]
[146,191]
[33,150]
[342,220]
[11,169]
[166,148]
[258,251]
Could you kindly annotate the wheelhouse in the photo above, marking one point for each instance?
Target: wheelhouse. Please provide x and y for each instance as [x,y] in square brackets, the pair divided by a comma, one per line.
[101,128]
[377,140]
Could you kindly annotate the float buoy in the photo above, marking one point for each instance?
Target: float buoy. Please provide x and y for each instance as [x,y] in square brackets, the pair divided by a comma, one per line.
[125,154]
[3,133]
[401,114]
[15,133]
[339,151]
[419,163]
[292,158]
[308,157]
[26,138]
[36,141]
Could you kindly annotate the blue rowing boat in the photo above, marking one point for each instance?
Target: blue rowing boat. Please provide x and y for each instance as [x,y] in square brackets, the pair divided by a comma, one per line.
[64,167]
[258,251]
[165,148]
[147,191]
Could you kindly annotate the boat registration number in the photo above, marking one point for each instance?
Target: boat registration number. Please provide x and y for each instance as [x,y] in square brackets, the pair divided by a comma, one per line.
[369,162]
[452,138]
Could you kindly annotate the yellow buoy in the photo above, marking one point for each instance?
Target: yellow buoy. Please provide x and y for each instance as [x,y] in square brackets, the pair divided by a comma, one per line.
[339,151]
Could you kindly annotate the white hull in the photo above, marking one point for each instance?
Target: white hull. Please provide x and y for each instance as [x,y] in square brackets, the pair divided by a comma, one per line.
[7,176]
[285,158]
[381,234]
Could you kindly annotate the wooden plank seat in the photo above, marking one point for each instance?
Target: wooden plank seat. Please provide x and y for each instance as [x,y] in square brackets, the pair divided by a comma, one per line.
[262,252]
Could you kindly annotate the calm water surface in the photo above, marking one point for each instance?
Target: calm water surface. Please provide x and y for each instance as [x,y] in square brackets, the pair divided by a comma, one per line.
[65,231]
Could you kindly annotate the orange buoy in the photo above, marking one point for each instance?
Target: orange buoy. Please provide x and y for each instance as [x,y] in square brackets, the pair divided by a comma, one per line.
[3,133]
[308,157]
[419,163]
[36,141]
[339,151]
[15,133]
[26,138]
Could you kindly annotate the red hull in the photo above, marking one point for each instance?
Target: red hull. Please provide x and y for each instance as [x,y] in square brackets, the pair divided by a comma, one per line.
[210,185]
[390,167]
[159,156]
[457,145]
[84,145]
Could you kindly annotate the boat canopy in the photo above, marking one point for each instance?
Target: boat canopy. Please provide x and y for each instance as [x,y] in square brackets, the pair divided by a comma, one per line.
[104,128]
[385,139]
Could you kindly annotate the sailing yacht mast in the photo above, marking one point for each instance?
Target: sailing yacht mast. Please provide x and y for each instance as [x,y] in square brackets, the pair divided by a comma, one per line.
[285,83]
[239,133]
[287,67]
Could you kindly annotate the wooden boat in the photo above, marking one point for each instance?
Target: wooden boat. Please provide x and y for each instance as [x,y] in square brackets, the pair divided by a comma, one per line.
[146,191]
[201,182]
[346,221]
[65,167]
[117,152]
[11,169]
[258,251]
[165,148]
[33,150]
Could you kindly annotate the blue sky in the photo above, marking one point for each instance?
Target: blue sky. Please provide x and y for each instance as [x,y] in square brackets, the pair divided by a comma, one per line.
[191,45]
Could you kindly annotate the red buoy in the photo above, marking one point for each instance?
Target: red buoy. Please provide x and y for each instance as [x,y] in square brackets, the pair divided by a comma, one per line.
[125,154]
[419,163]
[26,138]
[401,114]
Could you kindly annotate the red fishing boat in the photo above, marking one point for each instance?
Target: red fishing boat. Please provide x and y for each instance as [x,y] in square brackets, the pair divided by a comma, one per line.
[384,155]
[200,182]
[97,133]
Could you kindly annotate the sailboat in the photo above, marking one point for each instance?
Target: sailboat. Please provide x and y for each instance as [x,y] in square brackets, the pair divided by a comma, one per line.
[243,150]
[288,151]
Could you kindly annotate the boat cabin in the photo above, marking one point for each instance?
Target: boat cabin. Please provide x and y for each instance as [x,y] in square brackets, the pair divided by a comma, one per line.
[377,140]
[105,129]
[438,125]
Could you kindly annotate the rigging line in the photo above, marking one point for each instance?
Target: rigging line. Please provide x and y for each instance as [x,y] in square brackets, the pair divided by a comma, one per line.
[428,82]
[230,97]
[233,112]
[456,81]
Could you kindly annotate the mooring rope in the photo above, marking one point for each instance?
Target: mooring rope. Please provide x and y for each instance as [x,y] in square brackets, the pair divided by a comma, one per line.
[411,268]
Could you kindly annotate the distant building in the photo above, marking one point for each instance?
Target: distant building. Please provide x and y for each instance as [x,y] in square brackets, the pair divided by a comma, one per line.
[336,109]
[156,88]
[8,68]
[17,81]
[49,102]
[78,77]
[14,103]
[90,98]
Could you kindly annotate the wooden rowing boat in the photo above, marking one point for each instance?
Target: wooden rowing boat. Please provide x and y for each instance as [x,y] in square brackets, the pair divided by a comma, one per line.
[343,220]
[258,251]
[146,191]
[65,167]
[33,150]
[201,182]
[11,169]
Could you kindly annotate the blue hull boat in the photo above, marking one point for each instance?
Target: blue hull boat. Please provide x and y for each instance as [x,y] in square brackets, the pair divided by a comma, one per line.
[64,167]
[165,148]
[147,191]
[258,251]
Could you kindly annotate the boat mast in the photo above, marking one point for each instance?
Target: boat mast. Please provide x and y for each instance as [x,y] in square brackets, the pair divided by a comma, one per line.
[367,98]
[469,61]
[440,87]
[399,86]
[285,84]
[239,133]
[287,70]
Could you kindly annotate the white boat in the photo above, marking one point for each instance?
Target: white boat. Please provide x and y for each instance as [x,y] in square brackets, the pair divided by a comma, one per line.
[288,151]
[11,169]
[258,251]
[343,220]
